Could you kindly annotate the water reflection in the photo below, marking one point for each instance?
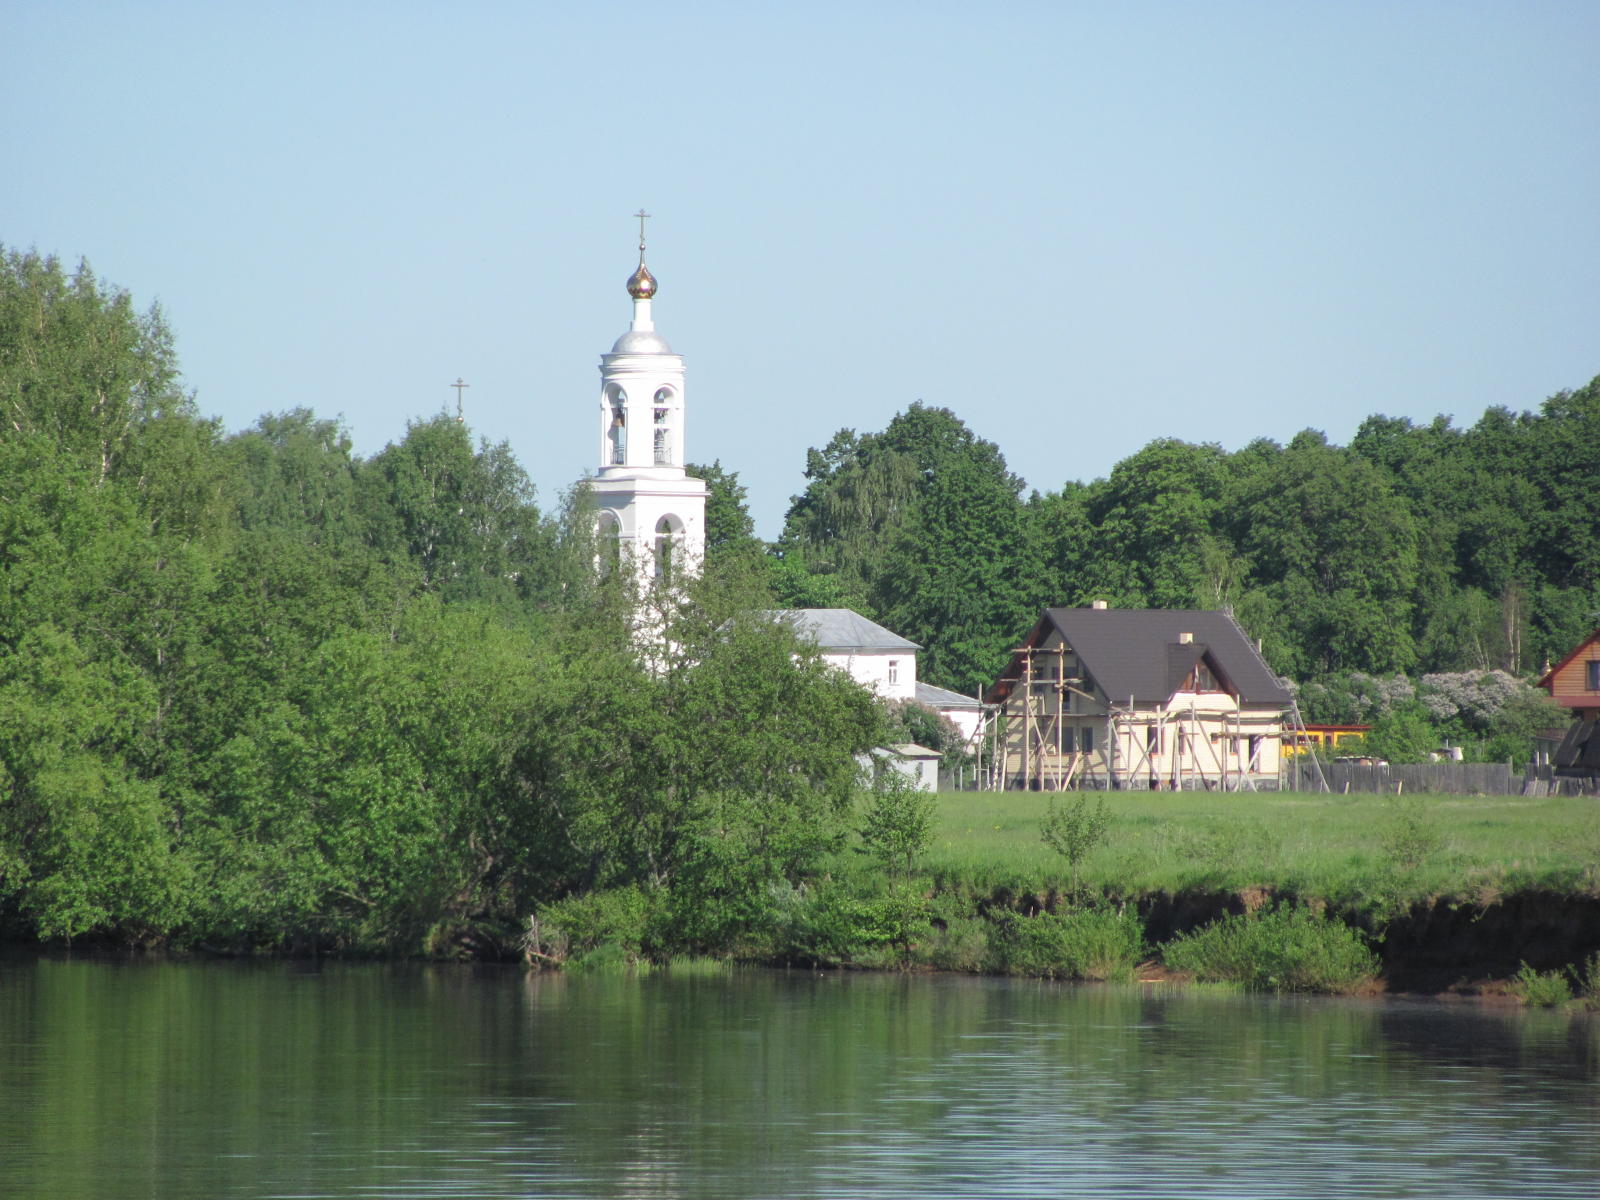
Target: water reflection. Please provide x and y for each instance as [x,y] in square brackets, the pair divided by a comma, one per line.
[206,1080]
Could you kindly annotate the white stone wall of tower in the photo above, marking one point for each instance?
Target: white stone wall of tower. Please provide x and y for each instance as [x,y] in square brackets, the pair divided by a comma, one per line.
[642,489]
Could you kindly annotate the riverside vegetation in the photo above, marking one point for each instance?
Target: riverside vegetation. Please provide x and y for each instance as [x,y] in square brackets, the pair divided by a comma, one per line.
[260,694]
[1273,891]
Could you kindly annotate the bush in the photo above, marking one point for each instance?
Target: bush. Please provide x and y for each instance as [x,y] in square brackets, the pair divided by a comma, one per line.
[1279,950]
[961,944]
[609,927]
[837,924]
[1101,943]
[1536,989]
[1411,836]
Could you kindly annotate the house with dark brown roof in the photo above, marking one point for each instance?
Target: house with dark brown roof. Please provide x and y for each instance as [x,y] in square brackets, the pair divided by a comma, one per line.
[1138,698]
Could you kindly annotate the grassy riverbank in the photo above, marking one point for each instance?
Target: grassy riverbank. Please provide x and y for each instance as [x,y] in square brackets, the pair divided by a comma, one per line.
[1336,848]
[1268,891]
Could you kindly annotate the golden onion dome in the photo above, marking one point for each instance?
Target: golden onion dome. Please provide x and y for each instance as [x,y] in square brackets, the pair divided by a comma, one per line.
[642,284]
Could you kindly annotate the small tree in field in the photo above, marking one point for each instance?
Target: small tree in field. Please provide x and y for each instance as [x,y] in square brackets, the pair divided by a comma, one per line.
[898,824]
[1073,830]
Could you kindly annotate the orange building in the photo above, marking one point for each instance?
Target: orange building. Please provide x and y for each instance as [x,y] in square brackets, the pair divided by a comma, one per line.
[1574,683]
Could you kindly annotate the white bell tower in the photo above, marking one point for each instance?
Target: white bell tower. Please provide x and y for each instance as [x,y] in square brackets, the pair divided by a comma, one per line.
[650,512]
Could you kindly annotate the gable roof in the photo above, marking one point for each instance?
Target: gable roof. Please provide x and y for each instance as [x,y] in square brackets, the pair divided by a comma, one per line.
[1549,676]
[843,629]
[1139,653]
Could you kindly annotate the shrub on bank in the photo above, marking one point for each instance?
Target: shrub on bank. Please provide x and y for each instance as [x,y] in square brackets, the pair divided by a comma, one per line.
[1540,989]
[1101,943]
[1277,950]
[609,926]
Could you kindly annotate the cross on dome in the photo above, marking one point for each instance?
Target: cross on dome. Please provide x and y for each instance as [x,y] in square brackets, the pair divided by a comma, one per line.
[642,284]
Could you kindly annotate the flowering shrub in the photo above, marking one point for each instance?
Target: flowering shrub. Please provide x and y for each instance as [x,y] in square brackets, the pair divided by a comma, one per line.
[1474,698]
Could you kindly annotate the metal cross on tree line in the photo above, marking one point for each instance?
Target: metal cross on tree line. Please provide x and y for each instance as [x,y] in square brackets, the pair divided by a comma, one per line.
[458,385]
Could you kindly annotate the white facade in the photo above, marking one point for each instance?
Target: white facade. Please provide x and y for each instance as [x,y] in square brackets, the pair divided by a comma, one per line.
[651,513]
[891,674]
[877,659]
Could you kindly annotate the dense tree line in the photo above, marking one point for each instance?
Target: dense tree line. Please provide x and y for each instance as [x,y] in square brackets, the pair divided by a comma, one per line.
[1416,549]
[258,692]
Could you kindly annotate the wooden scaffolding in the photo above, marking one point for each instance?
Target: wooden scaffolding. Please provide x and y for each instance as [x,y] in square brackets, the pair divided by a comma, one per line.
[1036,739]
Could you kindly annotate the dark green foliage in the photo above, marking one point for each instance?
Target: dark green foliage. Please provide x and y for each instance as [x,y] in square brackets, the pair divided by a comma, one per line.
[922,527]
[1284,949]
[730,532]
[866,923]
[255,692]
[923,726]
[83,839]
[1404,735]
[464,517]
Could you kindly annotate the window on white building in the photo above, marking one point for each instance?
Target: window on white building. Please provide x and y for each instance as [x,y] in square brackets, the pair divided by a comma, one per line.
[663,437]
[619,430]
[894,671]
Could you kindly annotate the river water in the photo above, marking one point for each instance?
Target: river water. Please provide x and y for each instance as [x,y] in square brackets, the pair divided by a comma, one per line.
[293,1080]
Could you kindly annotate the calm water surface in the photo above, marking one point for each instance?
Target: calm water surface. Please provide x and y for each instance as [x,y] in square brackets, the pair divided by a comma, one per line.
[219,1080]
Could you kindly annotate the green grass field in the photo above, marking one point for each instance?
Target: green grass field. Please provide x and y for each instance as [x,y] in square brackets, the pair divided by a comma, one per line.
[1342,848]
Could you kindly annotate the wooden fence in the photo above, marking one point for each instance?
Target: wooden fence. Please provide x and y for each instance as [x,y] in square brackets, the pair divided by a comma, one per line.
[1454,778]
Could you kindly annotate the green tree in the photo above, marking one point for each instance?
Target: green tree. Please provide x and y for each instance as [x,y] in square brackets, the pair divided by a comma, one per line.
[1404,735]
[963,580]
[1335,552]
[723,762]
[1074,830]
[466,518]
[296,474]
[729,530]
[1154,518]
[84,839]
[924,523]
[79,366]
[897,824]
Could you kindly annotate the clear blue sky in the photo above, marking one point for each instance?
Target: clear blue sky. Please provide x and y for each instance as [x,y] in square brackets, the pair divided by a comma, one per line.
[1079,226]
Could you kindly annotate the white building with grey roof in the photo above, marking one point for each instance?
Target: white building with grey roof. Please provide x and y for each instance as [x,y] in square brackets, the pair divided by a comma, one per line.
[882,660]
[873,656]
